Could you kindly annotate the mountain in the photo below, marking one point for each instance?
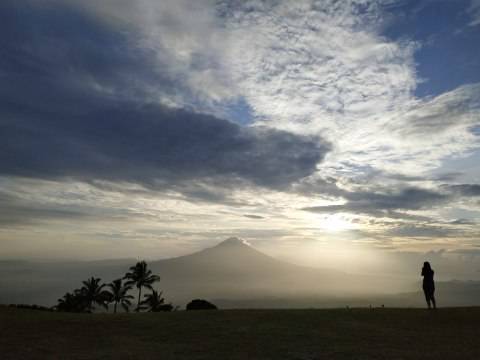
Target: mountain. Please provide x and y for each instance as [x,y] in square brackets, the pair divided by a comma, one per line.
[235,270]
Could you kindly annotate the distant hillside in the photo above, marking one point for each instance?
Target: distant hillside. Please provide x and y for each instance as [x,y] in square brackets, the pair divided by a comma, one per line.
[233,274]
[40,282]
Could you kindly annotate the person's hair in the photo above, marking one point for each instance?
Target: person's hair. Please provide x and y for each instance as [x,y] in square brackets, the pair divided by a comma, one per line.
[426,265]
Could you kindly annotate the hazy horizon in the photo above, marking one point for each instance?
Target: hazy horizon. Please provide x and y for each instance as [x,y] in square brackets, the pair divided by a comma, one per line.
[396,265]
[234,275]
[337,135]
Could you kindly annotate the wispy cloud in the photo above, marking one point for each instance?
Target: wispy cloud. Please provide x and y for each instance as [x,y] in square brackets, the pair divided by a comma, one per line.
[474,11]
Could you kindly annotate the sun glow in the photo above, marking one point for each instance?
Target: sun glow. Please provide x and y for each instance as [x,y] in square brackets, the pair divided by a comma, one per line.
[335,223]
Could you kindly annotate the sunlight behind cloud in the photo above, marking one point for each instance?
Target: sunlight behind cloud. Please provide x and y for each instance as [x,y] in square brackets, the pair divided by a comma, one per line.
[335,223]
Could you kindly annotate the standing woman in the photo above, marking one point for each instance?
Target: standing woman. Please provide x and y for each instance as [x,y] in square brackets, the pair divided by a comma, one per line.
[428,285]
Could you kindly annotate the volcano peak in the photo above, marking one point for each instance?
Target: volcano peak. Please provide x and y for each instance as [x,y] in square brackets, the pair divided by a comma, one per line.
[232,242]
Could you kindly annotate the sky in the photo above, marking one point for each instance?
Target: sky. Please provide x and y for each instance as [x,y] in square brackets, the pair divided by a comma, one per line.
[326,133]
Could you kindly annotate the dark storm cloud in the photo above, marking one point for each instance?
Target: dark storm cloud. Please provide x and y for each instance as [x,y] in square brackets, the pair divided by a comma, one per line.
[150,143]
[72,109]
[55,58]
[424,231]
[462,222]
[465,189]
[450,176]
[409,198]
[384,204]
[253,216]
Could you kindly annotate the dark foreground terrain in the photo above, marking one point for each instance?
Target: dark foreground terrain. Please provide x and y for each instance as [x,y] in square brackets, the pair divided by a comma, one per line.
[450,333]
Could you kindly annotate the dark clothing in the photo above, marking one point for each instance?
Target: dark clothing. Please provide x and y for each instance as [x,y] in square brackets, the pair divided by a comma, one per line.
[428,286]
[428,277]
[428,283]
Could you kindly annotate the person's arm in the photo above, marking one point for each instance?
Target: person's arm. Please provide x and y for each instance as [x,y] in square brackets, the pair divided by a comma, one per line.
[423,271]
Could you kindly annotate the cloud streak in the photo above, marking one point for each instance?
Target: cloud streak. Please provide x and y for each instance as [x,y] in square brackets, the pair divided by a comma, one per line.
[384,204]
[474,11]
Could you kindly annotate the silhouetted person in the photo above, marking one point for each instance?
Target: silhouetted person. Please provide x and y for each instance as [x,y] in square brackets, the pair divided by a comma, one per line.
[428,285]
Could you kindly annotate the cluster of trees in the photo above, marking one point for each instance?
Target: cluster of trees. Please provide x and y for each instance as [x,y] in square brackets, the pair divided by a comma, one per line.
[94,293]
[31,307]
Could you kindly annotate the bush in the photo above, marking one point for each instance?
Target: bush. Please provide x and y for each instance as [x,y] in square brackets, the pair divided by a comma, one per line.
[31,307]
[199,304]
[163,307]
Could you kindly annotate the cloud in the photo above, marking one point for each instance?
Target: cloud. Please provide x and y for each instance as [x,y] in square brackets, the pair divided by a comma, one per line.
[72,111]
[313,68]
[128,143]
[32,202]
[322,67]
[250,216]
[313,58]
[384,204]
[127,103]
[433,129]
[186,42]
[465,189]
[420,231]
[474,11]
[463,222]
[444,113]
[15,211]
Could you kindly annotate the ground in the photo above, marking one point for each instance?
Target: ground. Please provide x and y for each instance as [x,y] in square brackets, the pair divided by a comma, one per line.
[449,333]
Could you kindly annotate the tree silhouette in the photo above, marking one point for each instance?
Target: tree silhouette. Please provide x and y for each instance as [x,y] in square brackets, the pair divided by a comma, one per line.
[66,302]
[72,302]
[119,294]
[93,293]
[140,276]
[153,302]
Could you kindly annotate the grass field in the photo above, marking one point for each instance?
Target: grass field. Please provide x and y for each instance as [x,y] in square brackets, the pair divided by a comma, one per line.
[243,334]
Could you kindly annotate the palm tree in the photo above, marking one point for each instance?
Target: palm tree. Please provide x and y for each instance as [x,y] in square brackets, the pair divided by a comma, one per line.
[119,294]
[154,302]
[93,293]
[140,276]
[71,302]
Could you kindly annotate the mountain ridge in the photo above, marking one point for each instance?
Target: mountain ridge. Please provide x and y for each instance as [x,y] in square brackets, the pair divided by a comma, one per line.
[234,269]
